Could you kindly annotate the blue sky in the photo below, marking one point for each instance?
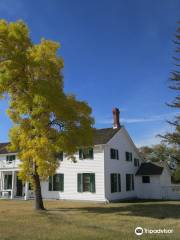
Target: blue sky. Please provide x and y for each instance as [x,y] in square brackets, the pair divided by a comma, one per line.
[117,53]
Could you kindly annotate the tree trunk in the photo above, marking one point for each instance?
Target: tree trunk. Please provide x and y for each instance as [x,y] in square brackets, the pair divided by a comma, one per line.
[37,191]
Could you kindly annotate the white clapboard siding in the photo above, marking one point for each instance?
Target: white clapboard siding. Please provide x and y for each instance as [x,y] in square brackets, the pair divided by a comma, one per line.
[123,143]
[70,171]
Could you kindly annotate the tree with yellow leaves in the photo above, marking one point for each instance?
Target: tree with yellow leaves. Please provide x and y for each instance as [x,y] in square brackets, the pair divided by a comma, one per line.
[46,120]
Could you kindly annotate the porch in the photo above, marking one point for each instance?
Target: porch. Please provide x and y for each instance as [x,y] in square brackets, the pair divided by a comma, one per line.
[12,187]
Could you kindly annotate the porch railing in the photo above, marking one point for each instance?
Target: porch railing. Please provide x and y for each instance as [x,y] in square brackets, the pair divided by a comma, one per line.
[9,164]
[6,194]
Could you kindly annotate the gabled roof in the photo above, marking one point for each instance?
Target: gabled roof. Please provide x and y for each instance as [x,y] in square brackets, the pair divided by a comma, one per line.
[149,168]
[102,136]
[3,148]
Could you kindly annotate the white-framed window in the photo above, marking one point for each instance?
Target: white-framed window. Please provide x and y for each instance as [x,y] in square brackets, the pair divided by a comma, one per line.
[56,182]
[86,182]
[114,154]
[145,179]
[136,162]
[86,153]
[128,156]
[10,158]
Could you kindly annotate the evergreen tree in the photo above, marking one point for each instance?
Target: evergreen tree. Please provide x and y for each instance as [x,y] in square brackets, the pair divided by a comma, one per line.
[174,137]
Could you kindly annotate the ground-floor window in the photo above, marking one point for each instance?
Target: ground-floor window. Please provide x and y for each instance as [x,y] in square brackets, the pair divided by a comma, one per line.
[145,179]
[129,182]
[86,182]
[115,182]
[56,182]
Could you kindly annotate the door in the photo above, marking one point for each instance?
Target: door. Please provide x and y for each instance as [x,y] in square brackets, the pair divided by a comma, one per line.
[19,187]
[7,181]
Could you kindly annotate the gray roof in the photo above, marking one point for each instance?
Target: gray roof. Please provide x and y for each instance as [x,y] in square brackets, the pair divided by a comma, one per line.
[3,148]
[101,136]
[149,168]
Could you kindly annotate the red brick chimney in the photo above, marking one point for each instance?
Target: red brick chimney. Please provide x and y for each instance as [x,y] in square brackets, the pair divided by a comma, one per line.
[116,123]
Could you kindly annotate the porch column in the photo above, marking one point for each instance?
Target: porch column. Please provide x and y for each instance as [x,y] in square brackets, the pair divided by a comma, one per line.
[1,181]
[13,177]
[26,191]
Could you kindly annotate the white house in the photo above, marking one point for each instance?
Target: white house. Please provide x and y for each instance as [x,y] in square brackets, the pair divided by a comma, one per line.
[112,170]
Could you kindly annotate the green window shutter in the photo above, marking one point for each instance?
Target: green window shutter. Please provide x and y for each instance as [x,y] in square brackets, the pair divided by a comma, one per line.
[80,182]
[91,154]
[113,182]
[128,182]
[132,176]
[50,183]
[80,154]
[117,154]
[119,183]
[62,182]
[92,183]
[127,156]
[56,182]
[112,153]
[130,157]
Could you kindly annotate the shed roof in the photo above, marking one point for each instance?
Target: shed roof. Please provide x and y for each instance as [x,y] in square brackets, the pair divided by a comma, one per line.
[149,168]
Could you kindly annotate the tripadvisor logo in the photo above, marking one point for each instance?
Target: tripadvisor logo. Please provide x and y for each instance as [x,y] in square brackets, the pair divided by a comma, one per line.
[139,231]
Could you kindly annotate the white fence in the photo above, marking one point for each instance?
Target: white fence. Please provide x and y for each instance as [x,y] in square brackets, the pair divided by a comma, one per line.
[171,192]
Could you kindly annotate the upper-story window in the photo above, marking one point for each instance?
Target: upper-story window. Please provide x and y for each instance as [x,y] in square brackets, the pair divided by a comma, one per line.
[114,154]
[129,156]
[136,162]
[60,156]
[86,153]
[10,158]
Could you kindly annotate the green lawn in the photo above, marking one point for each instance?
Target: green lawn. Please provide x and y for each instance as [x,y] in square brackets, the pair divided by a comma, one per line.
[67,220]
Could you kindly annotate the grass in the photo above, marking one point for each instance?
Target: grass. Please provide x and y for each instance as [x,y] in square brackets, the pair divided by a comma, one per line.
[65,220]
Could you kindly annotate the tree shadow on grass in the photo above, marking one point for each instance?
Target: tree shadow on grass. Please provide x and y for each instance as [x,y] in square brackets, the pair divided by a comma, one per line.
[151,210]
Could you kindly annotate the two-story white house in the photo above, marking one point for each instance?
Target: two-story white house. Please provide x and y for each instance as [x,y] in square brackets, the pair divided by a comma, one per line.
[113,169]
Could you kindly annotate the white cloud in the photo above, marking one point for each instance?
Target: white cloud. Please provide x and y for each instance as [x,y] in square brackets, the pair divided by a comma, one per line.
[154,118]
[152,138]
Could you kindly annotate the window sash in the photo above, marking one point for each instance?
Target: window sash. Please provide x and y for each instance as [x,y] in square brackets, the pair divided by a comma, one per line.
[145,179]
[114,153]
[56,182]
[10,158]
[128,156]
[136,162]
[86,153]
[86,182]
